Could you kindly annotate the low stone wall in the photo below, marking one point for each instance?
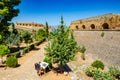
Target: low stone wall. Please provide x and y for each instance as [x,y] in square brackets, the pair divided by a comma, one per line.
[106,48]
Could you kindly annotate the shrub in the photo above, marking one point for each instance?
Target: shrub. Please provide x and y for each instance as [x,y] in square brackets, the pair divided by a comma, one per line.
[16,54]
[41,34]
[26,49]
[39,42]
[107,76]
[114,71]
[99,75]
[83,56]
[81,49]
[12,61]
[102,34]
[1,38]
[98,64]
[32,47]
[12,39]
[26,36]
[90,71]
[4,50]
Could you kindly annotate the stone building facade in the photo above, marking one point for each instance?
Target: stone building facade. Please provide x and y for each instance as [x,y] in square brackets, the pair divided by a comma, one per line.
[103,22]
[22,24]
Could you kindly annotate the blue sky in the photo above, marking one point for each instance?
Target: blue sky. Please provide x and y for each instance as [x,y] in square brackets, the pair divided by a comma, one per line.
[40,11]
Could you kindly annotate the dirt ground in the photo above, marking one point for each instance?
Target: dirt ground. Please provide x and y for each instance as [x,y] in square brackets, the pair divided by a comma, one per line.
[25,68]
[48,76]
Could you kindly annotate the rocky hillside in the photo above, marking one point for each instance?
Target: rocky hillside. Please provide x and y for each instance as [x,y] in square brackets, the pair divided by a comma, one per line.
[106,48]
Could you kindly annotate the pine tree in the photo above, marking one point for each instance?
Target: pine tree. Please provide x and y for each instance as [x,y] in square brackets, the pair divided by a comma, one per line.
[62,47]
[47,30]
[62,25]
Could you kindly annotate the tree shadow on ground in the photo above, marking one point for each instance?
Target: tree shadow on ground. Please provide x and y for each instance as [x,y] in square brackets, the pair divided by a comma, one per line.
[61,69]
[36,49]
[67,68]
[15,49]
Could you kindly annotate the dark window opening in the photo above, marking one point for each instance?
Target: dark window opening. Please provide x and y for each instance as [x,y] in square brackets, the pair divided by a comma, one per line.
[105,26]
[83,26]
[92,26]
[76,27]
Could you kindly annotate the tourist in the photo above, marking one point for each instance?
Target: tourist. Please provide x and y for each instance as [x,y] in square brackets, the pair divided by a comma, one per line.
[37,67]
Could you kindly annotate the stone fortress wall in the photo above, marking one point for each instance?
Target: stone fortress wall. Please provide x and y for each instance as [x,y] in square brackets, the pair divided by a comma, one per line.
[29,26]
[104,22]
[19,24]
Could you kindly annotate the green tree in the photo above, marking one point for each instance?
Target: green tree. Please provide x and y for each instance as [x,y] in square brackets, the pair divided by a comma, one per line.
[40,34]
[62,47]
[1,38]
[62,25]
[47,30]
[34,32]
[4,50]
[7,12]
[12,61]
[26,36]
[12,39]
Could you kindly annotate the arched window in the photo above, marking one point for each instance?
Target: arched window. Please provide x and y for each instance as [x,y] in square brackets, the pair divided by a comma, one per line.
[83,26]
[105,26]
[92,26]
[76,27]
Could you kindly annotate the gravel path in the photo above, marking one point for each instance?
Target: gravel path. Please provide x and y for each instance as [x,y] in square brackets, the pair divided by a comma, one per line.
[25,71]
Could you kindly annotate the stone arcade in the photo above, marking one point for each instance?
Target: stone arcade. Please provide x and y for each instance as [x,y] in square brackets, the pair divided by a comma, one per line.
[103,22]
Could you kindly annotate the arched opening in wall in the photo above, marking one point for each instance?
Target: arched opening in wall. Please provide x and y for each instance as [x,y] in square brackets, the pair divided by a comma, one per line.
[83,26]
[76,27]
[105,26]
[92,26]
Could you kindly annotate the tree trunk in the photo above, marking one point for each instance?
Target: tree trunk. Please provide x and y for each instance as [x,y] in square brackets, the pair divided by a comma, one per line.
[61,66]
